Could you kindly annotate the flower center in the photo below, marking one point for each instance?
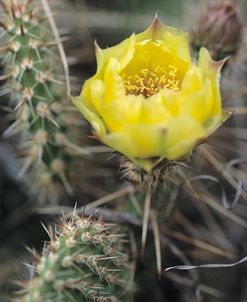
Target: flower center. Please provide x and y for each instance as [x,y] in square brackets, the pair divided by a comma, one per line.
[150,81]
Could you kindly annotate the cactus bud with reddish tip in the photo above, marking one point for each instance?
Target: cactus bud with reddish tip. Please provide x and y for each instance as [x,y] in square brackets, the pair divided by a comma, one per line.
[218,28]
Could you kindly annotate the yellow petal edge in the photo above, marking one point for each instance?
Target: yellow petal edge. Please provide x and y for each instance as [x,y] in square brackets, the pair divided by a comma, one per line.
[166,123]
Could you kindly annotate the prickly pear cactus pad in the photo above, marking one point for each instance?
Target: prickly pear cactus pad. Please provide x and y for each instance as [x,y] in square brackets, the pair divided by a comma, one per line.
[85,261]
[33,76]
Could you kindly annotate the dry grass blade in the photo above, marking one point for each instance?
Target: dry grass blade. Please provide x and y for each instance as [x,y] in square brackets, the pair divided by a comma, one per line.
[221,169]
[166,242]
[216,232]
[58,41]
[216,206]
[186,224]
[213,204]
[120,193]
[147,205]
[198,243]
[227,204]
[190,283]
[155,227]
[213,265]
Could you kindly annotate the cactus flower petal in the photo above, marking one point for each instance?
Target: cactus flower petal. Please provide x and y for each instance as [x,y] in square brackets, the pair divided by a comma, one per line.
[149,99]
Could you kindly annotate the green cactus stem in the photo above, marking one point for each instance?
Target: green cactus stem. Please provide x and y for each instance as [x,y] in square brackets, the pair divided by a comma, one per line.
[84,261]
[41,112]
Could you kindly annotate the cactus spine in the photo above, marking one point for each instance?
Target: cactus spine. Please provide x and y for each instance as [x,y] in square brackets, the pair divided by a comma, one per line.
[38,99]
[84,261]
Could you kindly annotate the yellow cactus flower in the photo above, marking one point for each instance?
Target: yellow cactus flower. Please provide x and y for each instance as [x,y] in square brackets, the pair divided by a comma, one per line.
[149,99]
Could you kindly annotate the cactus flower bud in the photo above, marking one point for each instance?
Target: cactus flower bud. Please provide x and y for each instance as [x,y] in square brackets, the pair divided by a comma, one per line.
[218,28]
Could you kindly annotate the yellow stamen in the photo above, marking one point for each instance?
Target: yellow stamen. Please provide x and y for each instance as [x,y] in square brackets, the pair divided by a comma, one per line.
[149,81]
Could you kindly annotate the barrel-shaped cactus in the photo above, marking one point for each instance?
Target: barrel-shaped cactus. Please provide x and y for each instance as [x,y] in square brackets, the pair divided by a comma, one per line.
[84,261]
[33,75]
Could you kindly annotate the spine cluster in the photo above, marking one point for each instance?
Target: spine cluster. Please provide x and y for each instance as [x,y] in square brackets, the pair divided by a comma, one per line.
[41,112]
[84,261]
